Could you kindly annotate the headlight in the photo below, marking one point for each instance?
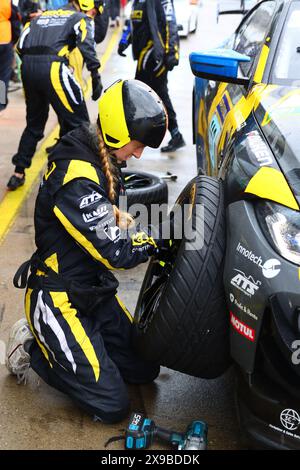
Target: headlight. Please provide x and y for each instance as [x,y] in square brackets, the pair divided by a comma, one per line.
[282,228]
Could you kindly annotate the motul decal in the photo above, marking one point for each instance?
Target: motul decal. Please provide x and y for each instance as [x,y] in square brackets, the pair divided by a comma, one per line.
[242,328]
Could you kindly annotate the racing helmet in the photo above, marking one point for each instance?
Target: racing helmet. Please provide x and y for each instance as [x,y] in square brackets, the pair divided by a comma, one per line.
[131,110]
[87,5]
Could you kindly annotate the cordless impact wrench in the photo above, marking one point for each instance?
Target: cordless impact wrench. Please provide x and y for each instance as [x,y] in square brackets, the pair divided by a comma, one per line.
[142,431]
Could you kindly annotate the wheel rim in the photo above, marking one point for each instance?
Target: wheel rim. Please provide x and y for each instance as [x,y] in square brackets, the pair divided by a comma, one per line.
[154,287]
[158,274]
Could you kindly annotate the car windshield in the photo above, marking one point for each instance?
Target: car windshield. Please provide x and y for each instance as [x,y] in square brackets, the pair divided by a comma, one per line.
[286,69]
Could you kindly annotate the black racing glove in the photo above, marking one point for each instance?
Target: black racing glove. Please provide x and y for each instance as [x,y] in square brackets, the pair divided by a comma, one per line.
[122,47]
[170,62]
[96,85]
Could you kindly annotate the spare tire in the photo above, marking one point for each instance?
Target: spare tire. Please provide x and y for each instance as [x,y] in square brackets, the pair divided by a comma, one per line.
[181,318]
[144,188]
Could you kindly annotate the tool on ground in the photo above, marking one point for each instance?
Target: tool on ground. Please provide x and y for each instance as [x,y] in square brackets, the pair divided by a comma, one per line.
[142,431]
[169,176]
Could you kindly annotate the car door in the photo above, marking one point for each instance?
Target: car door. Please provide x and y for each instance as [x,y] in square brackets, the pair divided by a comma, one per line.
[226,106]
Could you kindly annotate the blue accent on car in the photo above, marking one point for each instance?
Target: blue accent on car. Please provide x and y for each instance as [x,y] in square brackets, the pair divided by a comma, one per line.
[219,62]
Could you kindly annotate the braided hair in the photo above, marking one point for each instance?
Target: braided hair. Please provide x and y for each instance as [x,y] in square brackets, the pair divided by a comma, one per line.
[124,219]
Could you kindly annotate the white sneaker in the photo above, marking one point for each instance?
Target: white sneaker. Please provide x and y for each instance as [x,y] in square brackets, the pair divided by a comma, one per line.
[17,359]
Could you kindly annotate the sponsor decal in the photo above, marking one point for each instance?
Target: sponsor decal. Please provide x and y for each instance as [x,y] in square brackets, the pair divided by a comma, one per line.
[270,268]
[242,328]
[106,223]
[245,284]
[113,233]
[284,431]
[290,419]
[259,150]
[241,307]
[99,213]
[141,238]
[89,199]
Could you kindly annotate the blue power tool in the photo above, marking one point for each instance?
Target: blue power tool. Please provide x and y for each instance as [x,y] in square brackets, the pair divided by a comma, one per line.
[142,431]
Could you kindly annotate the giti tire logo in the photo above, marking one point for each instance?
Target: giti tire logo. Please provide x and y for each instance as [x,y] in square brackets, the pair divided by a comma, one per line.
[245,284]
[270,268]
[290,419]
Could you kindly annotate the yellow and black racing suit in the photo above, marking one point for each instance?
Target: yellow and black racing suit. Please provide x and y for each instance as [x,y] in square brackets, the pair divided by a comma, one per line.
[82,329]
[44,47]
[155,45]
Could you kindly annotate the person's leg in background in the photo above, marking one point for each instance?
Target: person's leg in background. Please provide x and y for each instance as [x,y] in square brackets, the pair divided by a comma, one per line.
[159,82]
[37,110]
[6,61]
[161,88]
[115,7]
[66,97]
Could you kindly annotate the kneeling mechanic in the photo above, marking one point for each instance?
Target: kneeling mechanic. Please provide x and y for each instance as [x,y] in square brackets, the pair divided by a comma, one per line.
[77,335]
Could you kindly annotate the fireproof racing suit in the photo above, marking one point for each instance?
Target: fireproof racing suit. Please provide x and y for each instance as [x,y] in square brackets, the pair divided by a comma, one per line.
[152,30]
[83,341]
[44,47]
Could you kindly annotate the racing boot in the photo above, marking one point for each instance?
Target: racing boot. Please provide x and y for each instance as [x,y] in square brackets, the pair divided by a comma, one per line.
[17,356]
[174,144]
[15,181]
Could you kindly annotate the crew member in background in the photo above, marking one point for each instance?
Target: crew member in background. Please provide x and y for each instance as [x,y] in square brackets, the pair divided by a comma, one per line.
[101,22]
[29,10]
[153,33]
[44,47]
[9,32]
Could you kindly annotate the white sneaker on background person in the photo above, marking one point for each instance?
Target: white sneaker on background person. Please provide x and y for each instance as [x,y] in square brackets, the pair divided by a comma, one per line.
[17,356]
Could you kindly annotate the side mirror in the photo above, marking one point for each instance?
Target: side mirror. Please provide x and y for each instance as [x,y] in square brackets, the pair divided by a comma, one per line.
[220,65]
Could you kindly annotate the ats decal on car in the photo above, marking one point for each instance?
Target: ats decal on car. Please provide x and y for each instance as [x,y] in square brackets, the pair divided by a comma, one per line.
[242,328]
[241,307]
[245,284]
[89,199]
[270,268]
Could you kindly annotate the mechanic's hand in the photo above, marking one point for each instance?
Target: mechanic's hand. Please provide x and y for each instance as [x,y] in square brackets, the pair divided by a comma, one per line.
[122,47]
[170,62]
[34,15]
[96,85]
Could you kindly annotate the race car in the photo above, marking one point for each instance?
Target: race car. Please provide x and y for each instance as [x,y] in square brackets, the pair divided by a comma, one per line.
[246,130]
[186,16]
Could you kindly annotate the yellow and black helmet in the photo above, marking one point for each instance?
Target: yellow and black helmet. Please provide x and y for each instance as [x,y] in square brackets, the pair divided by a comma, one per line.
[87,5]
[130,110]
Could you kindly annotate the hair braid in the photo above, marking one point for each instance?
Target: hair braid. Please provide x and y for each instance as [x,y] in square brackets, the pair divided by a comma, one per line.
[124,220]
[106,168]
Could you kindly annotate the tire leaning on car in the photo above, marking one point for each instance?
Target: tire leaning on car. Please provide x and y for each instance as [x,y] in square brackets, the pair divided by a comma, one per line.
[181,319]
